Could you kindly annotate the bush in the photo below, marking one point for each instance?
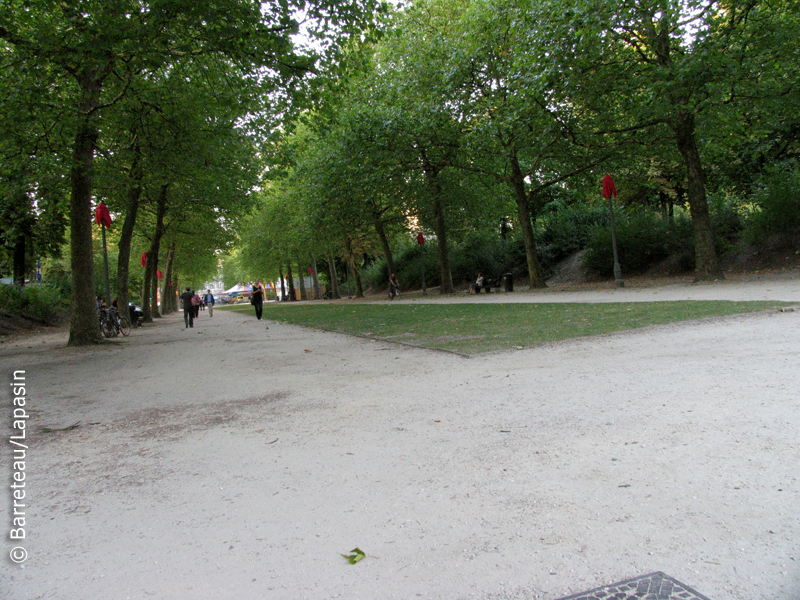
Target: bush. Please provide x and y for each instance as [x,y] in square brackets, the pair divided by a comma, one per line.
[567,231]
[487,254]
[778,201]
[643,239]
[41,302]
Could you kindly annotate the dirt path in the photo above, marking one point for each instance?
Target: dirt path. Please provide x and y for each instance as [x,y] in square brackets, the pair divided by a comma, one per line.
[239,459]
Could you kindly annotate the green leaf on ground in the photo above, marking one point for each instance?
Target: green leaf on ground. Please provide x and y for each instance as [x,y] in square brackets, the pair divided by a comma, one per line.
[355,557]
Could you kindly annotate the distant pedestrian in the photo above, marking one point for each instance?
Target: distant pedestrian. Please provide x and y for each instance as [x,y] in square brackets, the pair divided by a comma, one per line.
[257,298]
[196,302]
[188,309]
[394,287]
[208,300]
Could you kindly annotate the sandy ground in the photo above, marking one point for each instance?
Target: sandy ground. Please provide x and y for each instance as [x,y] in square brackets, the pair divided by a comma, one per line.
[240,459]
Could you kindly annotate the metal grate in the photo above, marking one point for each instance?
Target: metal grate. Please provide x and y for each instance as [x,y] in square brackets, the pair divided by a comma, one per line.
[655,586]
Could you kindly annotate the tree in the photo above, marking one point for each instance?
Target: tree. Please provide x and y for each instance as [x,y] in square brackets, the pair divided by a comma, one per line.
[102,47]
[640,70]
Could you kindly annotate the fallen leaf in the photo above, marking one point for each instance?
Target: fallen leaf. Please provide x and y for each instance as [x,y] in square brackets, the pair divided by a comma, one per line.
[355,557]
[307,350]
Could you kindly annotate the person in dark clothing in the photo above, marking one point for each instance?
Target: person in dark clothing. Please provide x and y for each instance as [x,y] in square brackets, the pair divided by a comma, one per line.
[257,298]
[188,309]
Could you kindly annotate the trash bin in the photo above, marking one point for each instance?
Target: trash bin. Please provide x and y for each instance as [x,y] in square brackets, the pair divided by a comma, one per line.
[509,282]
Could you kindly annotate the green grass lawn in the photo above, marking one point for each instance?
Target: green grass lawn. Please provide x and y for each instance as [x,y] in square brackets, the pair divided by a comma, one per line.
[475,328]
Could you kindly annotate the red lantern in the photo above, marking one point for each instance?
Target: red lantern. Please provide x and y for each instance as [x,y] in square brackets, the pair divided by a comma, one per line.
[102,216]
[144,259]
[420,239]
[310,270]
[608,187]
[158,274]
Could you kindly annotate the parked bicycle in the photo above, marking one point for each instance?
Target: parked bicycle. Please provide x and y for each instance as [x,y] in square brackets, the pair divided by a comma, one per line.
[111,324]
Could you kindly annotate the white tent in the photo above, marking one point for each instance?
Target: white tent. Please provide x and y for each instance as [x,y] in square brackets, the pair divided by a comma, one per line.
[238,288]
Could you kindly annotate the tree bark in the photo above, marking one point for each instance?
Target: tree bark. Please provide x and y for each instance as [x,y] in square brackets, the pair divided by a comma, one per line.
[357,277]
[166,293]
[526,223]
[154,310]
[126,235]
[384,240]
[334,276]
[317,293]
[706,261]
[290,279]
[83,328]
[300,277]
[432,178]
[150,300]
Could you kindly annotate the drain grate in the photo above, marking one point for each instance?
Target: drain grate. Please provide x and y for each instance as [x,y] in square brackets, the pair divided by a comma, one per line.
[655,586]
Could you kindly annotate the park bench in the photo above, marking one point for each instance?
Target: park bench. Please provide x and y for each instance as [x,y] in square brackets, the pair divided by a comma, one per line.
[506,280]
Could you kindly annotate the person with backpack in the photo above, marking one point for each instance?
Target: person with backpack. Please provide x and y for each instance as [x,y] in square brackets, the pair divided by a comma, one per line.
[208,299]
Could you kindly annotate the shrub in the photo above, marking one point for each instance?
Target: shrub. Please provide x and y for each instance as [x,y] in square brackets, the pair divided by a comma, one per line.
[41,302]
[643,239]
[778,199]
[567,231]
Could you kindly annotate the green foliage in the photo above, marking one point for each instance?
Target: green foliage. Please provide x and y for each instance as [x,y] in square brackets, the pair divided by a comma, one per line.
[567,231]
[487,254]
[42,302]
[728,220]
[778,200]
[643,239]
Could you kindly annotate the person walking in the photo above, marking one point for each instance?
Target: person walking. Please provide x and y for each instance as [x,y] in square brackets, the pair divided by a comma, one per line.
[196,302]
[188,310]
[257,298]
[208,300]
[394,286]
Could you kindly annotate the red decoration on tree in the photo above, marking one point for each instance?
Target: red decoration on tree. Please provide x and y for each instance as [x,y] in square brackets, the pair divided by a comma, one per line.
[420,239]
[102,216]
[144,259]
[158,274]
[310,270]
[608,187]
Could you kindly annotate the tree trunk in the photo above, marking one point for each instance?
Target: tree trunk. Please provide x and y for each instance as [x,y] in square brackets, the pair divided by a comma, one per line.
[150,304]
[334,276]
[357,277]
[317,292]
[126,235]
[290,280]
[166,293]
[384,240]
[147,281]
[174,295]
[435,189]
[283,287]
[154,310]
[706,261]
[300,277]
[526,224]
[83,328]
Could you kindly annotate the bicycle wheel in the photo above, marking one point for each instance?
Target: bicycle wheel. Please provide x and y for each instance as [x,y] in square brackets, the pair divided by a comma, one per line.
[124,326]
[107,327]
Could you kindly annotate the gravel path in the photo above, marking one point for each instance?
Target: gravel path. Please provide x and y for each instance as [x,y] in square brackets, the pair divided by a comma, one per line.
[240,459]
